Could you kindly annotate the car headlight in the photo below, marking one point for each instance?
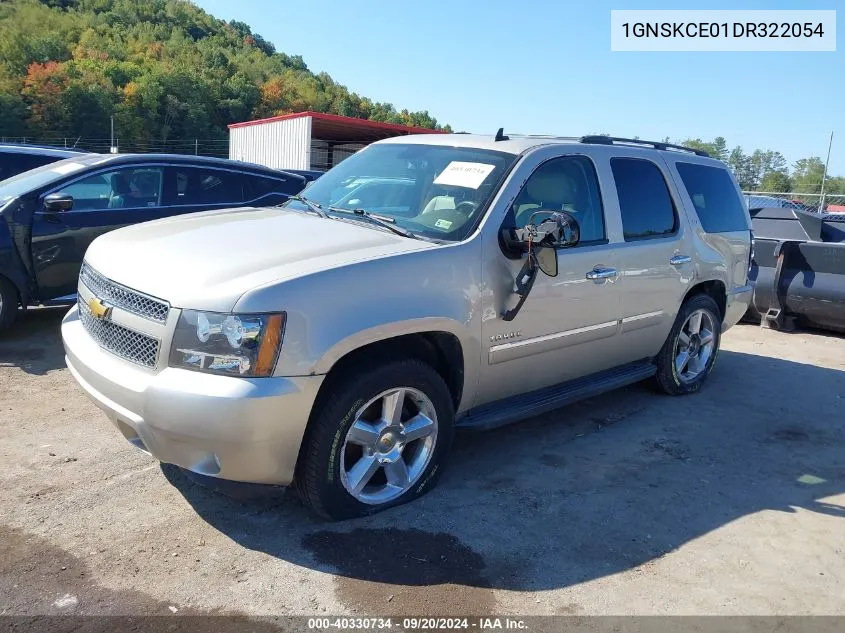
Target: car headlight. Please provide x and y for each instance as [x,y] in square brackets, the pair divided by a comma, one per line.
[234,344]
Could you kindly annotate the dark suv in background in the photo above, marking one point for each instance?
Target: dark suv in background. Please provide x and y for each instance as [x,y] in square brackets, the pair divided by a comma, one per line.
[49,215]
[16,159]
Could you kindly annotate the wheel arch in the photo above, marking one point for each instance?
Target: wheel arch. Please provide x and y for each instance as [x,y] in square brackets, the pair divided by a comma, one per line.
[714,288]
[440,348]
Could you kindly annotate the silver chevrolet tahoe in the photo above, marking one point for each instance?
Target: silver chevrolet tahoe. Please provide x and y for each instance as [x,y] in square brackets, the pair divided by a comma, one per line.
[425,284]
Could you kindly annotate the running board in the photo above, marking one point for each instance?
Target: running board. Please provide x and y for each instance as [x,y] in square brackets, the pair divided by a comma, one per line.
[515,408]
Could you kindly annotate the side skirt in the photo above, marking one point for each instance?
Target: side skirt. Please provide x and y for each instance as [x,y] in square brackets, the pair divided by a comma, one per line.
[515,408]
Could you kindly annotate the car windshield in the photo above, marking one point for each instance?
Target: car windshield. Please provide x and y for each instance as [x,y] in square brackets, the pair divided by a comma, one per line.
[435,191]
[38,177]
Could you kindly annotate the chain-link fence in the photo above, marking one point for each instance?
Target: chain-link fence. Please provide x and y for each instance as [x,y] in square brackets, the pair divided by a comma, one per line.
[827,203]
[199,147]
[324,154]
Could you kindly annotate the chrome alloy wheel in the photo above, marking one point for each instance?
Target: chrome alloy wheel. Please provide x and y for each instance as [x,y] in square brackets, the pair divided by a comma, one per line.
[695,345]
[389,445]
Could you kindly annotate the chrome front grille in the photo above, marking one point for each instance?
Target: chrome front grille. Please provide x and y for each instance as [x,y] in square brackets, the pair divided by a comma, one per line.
[123,297]
[120,341]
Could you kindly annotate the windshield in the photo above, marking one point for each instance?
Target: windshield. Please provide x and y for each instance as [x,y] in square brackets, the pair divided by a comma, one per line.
[434,191]
[38,177]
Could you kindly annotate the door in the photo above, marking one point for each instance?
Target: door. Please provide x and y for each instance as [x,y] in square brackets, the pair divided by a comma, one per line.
[654,263]
[567,327]
[102,202]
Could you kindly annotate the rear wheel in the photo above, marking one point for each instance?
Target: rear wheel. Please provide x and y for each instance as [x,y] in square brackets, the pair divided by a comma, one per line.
[690,351]
[380,439]
[8,303]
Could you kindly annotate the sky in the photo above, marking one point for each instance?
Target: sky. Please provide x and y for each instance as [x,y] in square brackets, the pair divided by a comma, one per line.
[545,67]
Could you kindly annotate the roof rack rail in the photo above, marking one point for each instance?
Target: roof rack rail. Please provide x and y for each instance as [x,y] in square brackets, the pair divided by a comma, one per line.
[611,140]
[553,137]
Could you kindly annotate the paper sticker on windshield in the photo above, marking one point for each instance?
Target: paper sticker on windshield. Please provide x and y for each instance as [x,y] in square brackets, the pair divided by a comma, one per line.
[443,224]
[67,168]
[460,174]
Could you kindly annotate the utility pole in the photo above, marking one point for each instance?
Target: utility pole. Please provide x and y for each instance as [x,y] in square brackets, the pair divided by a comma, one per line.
[112,147]
[824,175]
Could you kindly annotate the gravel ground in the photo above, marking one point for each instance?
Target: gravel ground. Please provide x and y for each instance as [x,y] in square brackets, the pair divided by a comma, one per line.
[731,501]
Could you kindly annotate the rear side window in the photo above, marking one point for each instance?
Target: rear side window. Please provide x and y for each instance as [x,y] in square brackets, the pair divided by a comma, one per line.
[258,186]
[644,201]
[207,186]
[714,197]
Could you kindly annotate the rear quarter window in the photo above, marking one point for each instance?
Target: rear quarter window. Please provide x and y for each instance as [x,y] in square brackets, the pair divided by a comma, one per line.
[714,196]
[259,186]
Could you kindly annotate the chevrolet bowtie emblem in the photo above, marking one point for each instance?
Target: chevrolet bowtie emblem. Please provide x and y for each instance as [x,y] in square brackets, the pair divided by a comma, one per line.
[99,309]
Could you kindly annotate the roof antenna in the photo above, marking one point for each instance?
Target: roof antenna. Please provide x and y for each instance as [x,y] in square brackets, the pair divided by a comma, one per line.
[500,135]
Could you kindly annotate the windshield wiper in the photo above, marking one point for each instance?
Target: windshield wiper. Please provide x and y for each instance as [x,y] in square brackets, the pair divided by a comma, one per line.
[382,220]
[316,207]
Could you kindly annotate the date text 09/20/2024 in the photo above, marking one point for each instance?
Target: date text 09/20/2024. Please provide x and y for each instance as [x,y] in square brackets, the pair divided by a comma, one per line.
[416,623]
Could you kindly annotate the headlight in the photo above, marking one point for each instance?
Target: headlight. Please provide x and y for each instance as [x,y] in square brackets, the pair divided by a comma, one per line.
[236,344]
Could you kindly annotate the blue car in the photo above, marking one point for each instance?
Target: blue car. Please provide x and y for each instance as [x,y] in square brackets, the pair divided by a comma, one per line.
[49,215]
[16,159]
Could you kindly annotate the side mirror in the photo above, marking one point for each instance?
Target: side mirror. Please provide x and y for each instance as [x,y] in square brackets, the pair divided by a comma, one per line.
[558,230]
[57,202]
[547,259]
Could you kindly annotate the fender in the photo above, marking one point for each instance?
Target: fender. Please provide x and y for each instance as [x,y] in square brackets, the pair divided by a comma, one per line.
[336,311]
[470,345]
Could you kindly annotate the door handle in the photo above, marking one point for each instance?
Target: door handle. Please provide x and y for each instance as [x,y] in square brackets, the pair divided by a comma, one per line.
[601,273]
[678,260]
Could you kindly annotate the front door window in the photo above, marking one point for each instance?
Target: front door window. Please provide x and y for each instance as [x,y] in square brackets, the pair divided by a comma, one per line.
[130,188]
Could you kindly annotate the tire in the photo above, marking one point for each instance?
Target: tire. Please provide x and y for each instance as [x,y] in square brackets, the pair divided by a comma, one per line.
[325,476]
[8,303]
[693,373]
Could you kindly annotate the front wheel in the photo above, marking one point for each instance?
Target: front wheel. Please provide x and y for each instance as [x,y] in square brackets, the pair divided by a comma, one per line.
[380,439]
[8,303]
[690,351]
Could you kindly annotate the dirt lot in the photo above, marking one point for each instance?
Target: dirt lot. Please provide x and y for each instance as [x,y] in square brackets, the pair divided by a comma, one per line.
[731,501]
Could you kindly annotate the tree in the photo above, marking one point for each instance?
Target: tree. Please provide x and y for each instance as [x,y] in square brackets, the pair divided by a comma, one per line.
[717,148]
[720,148]
[12,107]
[166,69]
[43,89]
[776,181]
[807,175]
[741,166]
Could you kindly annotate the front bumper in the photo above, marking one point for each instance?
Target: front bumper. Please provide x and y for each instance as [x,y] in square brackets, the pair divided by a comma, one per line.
[242,429]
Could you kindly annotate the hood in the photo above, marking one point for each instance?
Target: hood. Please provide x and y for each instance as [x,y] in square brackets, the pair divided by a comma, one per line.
[208,260]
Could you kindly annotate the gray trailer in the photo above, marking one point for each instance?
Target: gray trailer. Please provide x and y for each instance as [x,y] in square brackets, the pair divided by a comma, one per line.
[798,268]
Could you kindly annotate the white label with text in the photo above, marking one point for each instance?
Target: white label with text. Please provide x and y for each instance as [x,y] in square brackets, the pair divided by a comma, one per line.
[461,174]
